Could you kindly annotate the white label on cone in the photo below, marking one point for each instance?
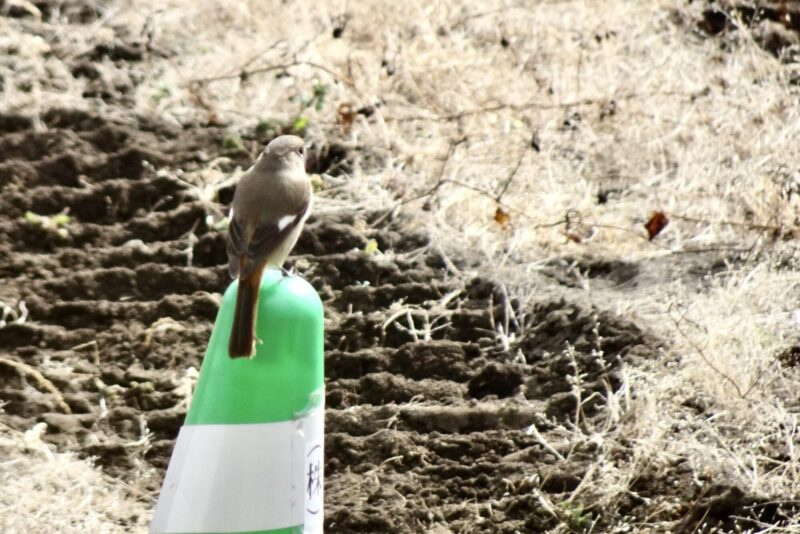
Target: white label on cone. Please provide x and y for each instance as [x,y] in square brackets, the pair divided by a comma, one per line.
[244,478]
[315,463]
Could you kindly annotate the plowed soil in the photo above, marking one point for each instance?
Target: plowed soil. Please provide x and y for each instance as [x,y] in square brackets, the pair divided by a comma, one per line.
[444,396]
[430,412]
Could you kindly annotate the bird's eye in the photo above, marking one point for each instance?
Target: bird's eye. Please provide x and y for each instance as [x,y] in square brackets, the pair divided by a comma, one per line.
[301,150]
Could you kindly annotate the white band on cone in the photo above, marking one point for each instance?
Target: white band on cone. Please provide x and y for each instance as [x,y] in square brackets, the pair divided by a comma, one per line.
[244,478]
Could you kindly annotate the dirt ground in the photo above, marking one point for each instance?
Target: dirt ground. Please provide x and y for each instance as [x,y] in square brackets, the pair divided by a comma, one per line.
[430,420]
[453,405]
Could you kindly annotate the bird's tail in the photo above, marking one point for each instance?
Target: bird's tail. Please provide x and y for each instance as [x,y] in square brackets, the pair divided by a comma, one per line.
[242,341]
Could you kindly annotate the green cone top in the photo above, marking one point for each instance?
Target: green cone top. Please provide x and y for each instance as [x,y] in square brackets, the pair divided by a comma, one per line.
[285,377]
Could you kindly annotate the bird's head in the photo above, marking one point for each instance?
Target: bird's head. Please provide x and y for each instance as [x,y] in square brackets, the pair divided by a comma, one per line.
[287,151]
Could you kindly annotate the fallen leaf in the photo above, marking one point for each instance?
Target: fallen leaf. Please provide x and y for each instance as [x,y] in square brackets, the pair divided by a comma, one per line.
[345,115]
[502,217]
[657,222]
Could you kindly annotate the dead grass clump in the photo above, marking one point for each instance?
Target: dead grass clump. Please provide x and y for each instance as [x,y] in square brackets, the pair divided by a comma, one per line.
[49,491]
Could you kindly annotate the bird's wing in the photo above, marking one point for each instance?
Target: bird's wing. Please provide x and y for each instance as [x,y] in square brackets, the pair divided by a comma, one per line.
[236,246]
[265,240]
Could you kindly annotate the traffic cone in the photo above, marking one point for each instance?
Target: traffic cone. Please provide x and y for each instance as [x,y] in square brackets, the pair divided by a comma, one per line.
[249,457]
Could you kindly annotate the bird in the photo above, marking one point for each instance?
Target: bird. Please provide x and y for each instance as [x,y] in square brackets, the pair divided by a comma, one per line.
[270,205]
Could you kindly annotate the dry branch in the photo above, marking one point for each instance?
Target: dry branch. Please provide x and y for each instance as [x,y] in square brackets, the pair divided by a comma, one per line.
[493,108]
[244,73]
[699,350]
[27,370]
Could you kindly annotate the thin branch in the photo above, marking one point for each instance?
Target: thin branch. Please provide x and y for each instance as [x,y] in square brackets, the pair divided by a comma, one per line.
[270,68]
[532,430]
[566,221]
[703,355]
[439,182]
[752,226]
[704,250]
[255,57]
[537,105]
[623,229]
[479,14]
[511,176]
[26,370]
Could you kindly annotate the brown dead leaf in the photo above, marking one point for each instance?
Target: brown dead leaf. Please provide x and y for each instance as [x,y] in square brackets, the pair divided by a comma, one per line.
[345,115]
[502,217]
[657,222]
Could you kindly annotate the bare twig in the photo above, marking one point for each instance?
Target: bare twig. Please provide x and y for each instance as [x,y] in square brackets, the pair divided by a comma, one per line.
[259,55]
[751,226]
[566,221]
[27,370]
[458,23]
[496,197]
[536,105]
[269,68]
[439,182]
[95,350]
[703,355]
[533,431]
[511,176]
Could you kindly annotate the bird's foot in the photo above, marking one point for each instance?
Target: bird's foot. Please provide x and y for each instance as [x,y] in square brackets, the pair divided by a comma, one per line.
[256,342]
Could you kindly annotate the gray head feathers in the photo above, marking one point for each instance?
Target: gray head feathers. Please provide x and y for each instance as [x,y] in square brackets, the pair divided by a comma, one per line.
[285,144]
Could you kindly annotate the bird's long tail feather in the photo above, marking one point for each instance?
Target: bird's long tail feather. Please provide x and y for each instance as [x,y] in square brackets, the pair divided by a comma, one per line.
[242,340]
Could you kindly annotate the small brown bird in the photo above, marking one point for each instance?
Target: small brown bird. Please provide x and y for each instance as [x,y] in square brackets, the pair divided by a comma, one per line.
[270,205]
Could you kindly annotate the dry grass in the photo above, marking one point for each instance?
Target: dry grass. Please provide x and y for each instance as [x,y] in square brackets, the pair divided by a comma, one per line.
[47,491]
[623,97]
